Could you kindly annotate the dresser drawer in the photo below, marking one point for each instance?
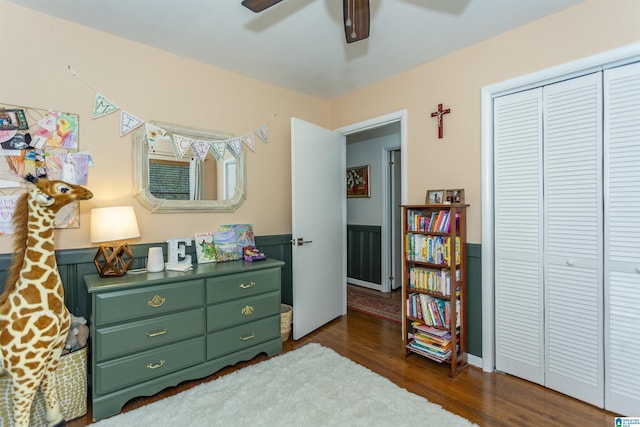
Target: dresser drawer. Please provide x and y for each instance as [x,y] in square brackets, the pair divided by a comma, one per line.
[243,336]
[142,335]
[243,310]
[242,285]
[131,304]
[127,371]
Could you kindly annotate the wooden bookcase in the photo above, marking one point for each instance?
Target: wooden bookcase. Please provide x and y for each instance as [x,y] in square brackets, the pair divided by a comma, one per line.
[435,283]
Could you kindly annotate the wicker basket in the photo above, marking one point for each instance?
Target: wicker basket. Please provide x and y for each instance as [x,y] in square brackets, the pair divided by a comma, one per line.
[286,316]
[72,391]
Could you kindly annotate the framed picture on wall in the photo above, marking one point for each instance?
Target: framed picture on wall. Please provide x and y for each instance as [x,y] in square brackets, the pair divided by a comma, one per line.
[358,181]
[434,197]
[14,119]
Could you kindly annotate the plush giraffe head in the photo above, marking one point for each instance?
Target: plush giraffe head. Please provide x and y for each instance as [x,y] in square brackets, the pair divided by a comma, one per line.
[56,194]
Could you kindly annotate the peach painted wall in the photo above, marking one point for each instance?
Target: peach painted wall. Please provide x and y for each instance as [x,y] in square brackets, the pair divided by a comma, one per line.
[456,80]
[153,85]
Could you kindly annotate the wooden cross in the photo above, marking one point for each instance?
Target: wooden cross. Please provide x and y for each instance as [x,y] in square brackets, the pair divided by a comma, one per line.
[439,114]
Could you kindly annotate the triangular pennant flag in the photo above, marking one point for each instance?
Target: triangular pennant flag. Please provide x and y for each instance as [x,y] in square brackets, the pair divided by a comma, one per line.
[128,122]
[262,133]
[154,133]
[103,106]
[180,145]
[201,148]
[218,149]
[249,141]
[235,145]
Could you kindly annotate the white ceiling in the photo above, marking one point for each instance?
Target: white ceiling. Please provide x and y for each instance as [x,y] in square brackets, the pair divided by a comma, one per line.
[300,44]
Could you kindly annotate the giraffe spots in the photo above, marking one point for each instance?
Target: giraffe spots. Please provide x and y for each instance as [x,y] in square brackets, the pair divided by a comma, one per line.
[26,338]
[35,273]
[55,303]
[6,337]
[48,247]
[29,310]
[20,324]
[31,295]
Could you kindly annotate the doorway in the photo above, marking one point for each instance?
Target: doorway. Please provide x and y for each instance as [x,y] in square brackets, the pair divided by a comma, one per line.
[374,223]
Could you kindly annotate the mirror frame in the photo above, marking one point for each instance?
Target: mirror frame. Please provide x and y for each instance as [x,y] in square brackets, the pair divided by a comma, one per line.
[141,189]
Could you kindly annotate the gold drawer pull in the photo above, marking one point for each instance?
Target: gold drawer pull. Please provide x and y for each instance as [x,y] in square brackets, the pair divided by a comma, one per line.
[248,338]
[156,301]
[155,334]
[156,366]
[247,311]
[247,285]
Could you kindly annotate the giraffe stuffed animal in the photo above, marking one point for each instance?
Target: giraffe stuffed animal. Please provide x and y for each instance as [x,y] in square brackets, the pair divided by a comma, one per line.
[34,320]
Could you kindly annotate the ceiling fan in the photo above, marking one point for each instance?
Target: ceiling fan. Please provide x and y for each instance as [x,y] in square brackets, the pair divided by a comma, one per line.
[355,14]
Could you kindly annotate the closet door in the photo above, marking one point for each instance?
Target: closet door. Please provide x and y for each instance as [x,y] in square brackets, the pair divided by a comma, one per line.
[622,239]
[573,254]
[518,235]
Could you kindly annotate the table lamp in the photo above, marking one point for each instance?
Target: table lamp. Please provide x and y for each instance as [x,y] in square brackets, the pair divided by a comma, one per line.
[113,224]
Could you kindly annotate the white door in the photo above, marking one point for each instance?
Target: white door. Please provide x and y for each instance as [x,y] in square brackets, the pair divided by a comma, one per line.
[318,162]
[518,235]
[396,219]
[622,238]
[572,148]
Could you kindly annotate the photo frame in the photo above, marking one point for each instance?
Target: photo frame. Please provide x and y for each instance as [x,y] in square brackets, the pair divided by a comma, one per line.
[358,181]
[454,196]
[13,119]
[435,197]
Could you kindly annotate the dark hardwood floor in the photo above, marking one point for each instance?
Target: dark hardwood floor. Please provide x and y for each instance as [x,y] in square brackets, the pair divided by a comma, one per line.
[488,399]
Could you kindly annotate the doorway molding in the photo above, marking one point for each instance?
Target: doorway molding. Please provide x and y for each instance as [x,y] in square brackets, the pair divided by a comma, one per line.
[397,116]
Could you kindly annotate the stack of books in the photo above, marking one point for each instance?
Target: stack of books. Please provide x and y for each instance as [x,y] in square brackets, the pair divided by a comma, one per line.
[430,342]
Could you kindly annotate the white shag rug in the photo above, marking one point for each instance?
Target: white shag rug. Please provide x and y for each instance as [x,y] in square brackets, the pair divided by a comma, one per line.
[311,386]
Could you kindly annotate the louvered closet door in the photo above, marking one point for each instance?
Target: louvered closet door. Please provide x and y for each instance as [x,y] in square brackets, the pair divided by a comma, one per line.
[622,239]
[518,235]
[573,238]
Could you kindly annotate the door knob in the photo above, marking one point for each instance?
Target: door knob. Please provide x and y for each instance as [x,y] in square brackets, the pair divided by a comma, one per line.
[300,241]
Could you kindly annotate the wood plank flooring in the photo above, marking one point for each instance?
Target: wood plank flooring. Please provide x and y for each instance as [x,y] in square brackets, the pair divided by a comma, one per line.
[488,399]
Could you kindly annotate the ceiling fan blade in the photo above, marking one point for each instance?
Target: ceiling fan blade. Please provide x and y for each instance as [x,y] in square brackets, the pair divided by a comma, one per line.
[259,5]
[356,19]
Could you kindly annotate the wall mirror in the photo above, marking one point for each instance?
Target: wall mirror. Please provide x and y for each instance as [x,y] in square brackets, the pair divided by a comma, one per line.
[163,183]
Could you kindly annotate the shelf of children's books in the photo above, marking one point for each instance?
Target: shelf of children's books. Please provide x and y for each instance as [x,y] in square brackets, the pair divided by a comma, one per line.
[429,264]
[429,233]
[433,294]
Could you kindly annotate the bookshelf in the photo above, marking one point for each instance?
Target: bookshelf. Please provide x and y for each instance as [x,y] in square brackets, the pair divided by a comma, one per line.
[435,283]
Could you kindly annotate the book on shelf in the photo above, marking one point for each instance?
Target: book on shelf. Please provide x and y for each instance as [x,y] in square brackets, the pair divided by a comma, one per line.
[433,280]
[431,249]
[430,221]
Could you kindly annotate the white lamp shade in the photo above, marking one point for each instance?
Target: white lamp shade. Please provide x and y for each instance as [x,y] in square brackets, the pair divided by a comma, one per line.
[113,224]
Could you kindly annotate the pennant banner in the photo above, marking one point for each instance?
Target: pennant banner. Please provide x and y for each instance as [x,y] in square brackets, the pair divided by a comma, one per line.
[218,148]
[248,140]
[180,145]
[262,133]
[235,145]
[201,148]
[153,134]
[128,122]
[103,106]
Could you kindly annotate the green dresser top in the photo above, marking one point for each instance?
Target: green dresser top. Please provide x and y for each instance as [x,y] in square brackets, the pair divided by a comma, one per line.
[95,283]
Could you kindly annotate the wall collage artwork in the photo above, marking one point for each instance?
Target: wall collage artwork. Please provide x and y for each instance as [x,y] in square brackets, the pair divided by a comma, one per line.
[42,143]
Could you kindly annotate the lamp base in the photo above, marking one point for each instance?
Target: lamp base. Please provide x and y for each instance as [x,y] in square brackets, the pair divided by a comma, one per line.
[114,260]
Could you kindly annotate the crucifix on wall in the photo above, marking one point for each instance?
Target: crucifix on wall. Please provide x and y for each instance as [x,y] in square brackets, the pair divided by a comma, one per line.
[440,115]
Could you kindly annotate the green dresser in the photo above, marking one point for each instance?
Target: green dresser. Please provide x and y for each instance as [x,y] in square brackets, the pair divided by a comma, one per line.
[150,331]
